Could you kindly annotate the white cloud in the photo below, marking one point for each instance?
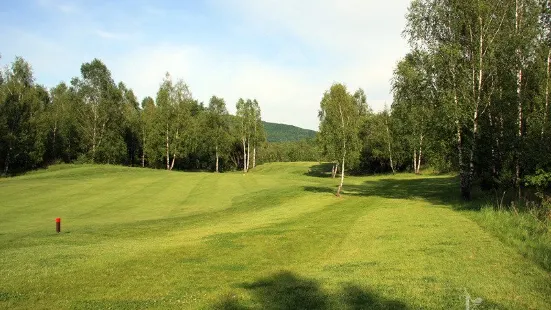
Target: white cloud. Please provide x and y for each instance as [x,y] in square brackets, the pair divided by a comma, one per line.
[285,95]
[299,48]
[361,39]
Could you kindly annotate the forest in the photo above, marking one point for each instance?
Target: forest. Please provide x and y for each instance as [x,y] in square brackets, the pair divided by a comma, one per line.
[94,120]
[471,96]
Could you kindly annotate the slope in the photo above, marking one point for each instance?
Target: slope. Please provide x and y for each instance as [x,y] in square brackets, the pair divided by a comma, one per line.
[273,239]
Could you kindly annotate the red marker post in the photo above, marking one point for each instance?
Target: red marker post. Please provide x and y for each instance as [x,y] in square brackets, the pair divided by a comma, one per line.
[58,225]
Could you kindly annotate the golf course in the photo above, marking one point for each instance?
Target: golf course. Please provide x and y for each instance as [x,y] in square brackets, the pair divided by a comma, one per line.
[276,238]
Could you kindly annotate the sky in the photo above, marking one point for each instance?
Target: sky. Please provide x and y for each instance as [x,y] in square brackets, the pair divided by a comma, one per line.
[284,53]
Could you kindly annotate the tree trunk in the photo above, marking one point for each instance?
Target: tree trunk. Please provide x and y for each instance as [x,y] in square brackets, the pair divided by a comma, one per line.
[492,145]
[334,170]
[414,160]
[477,96]
[254,157]
[217,159]
[173,160]
[420,153]
[244,156]
[94,134]
[342,171]
[248,154]
[518,17]
[545,111]
[167,150]
[520,135]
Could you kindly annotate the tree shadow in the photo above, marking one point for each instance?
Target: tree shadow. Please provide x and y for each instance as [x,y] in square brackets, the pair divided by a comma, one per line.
[286,290]
[320,189]
[357,298]
[320,171]
[441,190]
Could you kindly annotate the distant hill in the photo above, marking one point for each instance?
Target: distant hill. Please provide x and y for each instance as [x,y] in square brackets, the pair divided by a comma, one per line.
[285,133]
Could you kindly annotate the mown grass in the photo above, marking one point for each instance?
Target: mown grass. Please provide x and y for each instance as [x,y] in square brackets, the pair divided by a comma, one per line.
[276,238]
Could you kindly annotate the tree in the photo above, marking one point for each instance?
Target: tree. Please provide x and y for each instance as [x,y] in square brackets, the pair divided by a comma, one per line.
[174,103]
[131,124]
[258,134]
[339,121]
[414,97]
[148,131]
[100,112]
[244,115]
[218,126]
[21,124]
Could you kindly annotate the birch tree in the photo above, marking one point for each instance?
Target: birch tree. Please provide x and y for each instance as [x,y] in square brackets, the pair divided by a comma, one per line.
[100,110]
[218,127]
[258,134]
[339,122]
[245,115]
[174,113]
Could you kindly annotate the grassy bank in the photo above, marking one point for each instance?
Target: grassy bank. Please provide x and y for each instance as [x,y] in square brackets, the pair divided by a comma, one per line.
[275,238]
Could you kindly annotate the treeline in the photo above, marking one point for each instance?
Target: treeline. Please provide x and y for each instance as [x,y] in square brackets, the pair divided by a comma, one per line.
[93,119]
[472,96]
[290,151]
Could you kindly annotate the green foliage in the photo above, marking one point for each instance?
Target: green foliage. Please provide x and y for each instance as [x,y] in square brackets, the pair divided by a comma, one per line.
[541,180]
[286,133]
[339,117]
[21,118]
[291,151]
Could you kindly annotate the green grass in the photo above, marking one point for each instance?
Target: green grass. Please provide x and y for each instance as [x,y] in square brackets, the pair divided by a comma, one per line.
[276,238]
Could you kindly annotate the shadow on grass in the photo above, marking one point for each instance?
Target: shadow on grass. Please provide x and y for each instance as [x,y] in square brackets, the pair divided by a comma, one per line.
[285,290]
[320,171]
[442,190]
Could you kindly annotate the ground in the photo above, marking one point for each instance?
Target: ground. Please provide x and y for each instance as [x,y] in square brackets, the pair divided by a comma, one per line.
[276,238]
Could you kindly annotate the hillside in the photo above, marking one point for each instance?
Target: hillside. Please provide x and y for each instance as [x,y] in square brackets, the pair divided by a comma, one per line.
[276,238]
[286,133]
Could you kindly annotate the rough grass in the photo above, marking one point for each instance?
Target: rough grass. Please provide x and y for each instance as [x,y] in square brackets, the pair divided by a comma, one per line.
[276,238]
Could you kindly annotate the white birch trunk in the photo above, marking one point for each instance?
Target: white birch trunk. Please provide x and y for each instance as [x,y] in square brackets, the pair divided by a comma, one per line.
[167,150]
[217,158]
[415,160]
[173,160]
[248,154]
[519,96]
[420,154]
[254,157]
[477,99]
[344,150]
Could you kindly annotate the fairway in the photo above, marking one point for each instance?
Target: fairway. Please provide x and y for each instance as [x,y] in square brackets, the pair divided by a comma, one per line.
[276,238]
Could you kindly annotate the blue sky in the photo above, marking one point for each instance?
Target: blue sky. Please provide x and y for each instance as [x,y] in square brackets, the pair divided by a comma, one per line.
[283,53]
